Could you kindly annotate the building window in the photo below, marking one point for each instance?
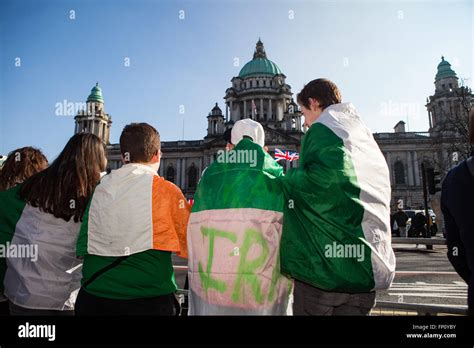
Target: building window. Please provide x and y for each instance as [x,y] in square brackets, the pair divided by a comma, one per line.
[399,173]
[192,176]
[170,173]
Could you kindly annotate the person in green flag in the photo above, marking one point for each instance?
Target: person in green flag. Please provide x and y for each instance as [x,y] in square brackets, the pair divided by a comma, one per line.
[336,240]
[234,231]
[20,164]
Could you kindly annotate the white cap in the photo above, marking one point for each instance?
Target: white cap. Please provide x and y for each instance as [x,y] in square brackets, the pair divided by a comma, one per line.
[250,128]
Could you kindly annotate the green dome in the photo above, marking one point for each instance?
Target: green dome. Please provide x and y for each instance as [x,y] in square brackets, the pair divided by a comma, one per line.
[444,70]
[260,65]
[96,94]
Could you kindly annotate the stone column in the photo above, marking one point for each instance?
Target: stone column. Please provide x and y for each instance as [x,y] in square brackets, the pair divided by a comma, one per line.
[261,108]
[270,111]
[245,109]
[389,165]
[231,111]
[177,180]
[183,173]
[162,165]
[226,112]
[416,167]
[200,168]
[409,169]
[253,110]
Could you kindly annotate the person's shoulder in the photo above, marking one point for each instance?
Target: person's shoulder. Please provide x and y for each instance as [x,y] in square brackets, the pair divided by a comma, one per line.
[456,173]
[12,192]
[168,185]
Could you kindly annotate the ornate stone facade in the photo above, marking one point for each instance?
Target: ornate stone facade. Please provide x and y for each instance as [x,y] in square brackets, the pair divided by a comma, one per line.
[258,92]
[443,146]
[261,93]
[94,119]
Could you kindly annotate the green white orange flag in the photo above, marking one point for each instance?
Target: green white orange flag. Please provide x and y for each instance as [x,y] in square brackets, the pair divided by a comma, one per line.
[336,234]
[134,210]
[234,236]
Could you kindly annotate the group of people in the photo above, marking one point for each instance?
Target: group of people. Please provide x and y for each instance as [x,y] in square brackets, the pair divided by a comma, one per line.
[315,240]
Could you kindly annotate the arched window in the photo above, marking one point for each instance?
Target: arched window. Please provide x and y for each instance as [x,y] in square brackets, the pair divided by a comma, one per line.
[399,173]
[170,173]
[192,176]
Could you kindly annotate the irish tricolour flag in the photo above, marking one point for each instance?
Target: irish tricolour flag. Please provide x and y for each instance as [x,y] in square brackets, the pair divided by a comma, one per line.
[234,237]
[134,210]
[336,234]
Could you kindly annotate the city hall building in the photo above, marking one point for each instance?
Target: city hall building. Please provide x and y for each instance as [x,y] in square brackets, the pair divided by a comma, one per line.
[260,92]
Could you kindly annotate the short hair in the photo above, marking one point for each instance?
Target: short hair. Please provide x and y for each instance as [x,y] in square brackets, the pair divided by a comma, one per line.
[139,142]
[323,90]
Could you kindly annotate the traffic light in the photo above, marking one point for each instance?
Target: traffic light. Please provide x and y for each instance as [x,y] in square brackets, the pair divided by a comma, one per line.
[433,180]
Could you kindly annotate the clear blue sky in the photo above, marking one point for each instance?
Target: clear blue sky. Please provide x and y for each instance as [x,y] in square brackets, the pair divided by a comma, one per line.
[383,56]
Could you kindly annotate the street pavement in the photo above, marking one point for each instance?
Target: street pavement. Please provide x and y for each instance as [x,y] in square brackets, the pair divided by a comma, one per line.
[423,276]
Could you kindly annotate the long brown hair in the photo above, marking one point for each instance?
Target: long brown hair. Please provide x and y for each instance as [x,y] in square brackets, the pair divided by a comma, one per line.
[64,188]
[20,165]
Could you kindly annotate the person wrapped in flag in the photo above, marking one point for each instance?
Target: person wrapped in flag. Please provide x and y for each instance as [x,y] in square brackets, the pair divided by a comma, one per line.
[234,232]
[336,240]
[42,216]
[133,223]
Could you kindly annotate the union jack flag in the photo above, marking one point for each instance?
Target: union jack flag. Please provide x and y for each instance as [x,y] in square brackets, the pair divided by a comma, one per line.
[286,155]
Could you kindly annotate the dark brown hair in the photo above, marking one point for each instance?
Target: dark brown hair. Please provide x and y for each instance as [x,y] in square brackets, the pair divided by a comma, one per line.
[64,188]
[20,165]
[139,142]
[323,90]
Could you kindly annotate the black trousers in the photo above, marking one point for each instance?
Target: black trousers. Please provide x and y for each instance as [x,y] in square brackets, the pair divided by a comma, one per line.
[4,310]
[87,304]
[309,300]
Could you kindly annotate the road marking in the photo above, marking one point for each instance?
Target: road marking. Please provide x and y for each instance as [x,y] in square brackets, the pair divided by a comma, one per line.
[417,294]
[426,272]
[454,290]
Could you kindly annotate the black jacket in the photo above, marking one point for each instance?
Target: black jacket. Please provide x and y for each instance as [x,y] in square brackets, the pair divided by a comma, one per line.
[457,204]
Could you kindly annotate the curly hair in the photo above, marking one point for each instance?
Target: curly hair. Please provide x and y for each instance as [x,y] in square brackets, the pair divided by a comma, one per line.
[20,165]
